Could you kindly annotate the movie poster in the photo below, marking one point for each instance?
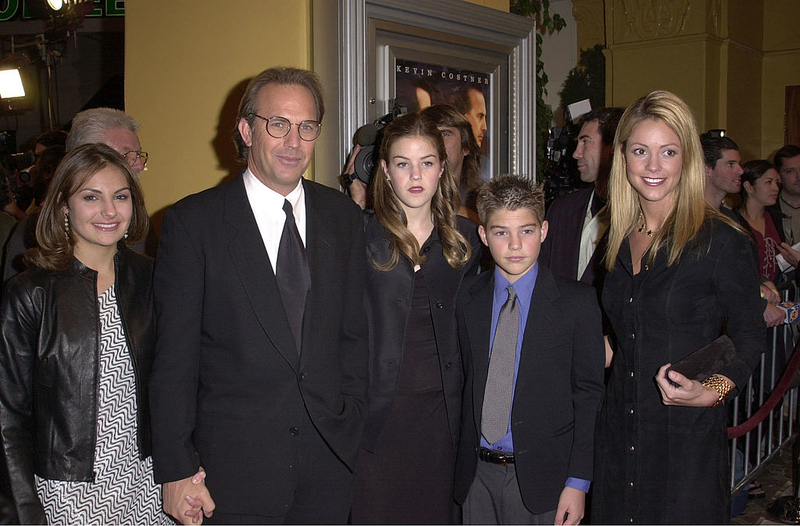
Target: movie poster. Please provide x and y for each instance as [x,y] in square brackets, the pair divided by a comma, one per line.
[419,85]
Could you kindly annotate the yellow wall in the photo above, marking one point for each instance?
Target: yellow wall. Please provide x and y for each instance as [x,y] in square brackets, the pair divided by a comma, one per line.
[185,62]
[729,60]
[501,5]
[781,68]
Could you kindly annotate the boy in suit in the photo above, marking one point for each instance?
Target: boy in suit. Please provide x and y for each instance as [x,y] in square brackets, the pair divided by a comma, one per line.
[533,356]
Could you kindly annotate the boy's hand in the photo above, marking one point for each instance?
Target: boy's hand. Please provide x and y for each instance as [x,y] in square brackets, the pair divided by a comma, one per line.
[571,505]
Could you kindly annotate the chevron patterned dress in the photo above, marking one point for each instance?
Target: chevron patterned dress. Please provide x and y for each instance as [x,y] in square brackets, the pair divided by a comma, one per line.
[124,491]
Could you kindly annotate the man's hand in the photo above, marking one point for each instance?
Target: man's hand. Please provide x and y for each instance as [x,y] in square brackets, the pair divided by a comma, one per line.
[774,316]
[358,193]
[770,293]
[187,500]
[571,505]
[357,189]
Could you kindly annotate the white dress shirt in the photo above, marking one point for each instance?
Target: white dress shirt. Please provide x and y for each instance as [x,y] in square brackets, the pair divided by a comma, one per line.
[267,206]
[592,231]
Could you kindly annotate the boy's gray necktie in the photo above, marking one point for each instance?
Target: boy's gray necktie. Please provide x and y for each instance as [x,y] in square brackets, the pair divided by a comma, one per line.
[500,380]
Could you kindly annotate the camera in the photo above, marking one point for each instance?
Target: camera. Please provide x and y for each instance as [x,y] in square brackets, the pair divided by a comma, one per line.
[369,137]
[15,175]
[560,167]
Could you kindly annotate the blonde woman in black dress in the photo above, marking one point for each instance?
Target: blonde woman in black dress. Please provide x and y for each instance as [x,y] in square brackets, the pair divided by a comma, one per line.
[679,272]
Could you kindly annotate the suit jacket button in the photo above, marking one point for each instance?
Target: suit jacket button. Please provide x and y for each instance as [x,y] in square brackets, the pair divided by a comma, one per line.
[294,431]
[302,376]
[447,365]
[439,305]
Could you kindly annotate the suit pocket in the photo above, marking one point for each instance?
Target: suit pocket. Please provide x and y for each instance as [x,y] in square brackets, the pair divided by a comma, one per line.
[556,340]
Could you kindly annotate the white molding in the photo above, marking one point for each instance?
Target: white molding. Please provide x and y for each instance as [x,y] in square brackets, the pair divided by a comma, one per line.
[456,20]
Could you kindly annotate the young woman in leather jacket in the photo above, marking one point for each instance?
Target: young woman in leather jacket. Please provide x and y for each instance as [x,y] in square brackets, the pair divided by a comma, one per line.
[76,345]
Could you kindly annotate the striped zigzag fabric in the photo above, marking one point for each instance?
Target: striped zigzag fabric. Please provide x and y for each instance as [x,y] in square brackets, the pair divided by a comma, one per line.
[124,491]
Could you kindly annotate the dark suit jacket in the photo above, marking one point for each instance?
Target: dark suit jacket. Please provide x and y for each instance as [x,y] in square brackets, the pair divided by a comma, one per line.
[388,302]
[560,250]
[558,391]
[228,388]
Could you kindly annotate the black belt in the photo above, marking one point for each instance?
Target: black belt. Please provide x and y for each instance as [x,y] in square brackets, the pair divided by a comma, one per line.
[496,457]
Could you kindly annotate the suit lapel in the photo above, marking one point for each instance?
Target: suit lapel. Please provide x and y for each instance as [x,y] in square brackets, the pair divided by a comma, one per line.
[542,319]
[320,240]
[251,262]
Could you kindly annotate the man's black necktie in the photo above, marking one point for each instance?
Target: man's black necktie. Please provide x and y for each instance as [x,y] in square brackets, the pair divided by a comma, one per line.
[294,277]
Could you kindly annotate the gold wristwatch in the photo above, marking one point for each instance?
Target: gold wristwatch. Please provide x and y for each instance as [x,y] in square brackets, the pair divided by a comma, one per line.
[718,384]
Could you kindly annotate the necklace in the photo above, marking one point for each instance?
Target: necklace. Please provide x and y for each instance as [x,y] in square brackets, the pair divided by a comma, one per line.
[643,226]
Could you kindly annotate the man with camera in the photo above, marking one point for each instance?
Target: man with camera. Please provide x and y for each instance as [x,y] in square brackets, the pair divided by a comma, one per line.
[573,245]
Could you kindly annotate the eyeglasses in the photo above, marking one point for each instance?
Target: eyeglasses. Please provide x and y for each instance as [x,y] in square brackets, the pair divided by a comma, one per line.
[132,157]
[278,127]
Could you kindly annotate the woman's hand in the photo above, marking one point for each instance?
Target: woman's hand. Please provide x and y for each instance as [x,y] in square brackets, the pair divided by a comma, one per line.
[688,393]
[791,255]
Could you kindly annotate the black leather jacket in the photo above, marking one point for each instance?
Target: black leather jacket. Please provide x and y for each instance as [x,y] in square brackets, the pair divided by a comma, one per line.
[49,347]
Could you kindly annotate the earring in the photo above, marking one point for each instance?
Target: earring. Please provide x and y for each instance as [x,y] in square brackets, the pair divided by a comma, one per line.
[125,235]
[66,225]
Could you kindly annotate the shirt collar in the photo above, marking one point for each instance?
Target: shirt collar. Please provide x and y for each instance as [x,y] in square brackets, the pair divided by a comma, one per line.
[523,286]
[270,201]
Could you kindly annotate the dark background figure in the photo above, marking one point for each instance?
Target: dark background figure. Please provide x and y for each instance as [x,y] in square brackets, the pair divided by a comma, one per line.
[575,245]
[757,213]
[463,154]
[24,235]
[723,166]
[787,161]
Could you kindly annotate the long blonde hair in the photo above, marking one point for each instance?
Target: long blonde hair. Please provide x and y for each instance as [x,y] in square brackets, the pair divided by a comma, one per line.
[444,204]
[689,211]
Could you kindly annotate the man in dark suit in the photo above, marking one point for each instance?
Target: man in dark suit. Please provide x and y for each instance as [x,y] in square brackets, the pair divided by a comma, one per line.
[574,248]
[260,372]
[533,359]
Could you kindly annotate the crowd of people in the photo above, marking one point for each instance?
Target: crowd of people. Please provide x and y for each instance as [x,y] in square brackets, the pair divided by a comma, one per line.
[452,353]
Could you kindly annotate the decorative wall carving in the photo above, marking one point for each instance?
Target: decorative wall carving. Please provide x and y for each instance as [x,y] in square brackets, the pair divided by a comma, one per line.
[652,19]
[590,20]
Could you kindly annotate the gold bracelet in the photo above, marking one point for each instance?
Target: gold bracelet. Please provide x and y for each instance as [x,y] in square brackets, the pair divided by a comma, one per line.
[718,384]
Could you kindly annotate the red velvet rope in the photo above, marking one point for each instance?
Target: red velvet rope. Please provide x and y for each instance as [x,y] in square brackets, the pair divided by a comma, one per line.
[776,395]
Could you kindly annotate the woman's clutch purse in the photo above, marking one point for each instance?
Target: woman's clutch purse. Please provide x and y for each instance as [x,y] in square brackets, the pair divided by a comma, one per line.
[706,360]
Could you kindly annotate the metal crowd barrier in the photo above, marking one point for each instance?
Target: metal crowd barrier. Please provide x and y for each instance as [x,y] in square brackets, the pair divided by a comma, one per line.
[763,418]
